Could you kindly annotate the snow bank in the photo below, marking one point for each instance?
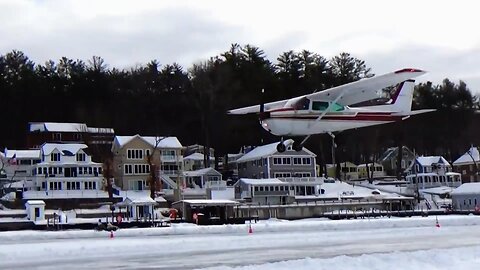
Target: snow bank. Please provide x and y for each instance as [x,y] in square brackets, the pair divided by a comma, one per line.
[273,225]
[438,259]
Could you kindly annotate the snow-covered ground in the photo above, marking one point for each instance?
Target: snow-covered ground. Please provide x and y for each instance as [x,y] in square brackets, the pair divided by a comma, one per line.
[394,243]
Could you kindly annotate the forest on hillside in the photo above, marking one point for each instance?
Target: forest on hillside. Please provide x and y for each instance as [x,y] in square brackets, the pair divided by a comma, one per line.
[170,100]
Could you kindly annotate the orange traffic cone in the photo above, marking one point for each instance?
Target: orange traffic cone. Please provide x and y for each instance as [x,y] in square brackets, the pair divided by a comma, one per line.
[111,234]
[250,230]
[437,224]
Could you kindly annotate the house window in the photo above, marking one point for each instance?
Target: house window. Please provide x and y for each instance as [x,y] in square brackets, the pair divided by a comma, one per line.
[169,167]
[134,153]
[277,161]
[141,168]
[286,160]
[168,152]
[77,136]
[25,162]
[128,169]
[302,174]
[282,175]
[55,156]
[307,161]
[57,136]
[81,156]
[147,152]
[297,161]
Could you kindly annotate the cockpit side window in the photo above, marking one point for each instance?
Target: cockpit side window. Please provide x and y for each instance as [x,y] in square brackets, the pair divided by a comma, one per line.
[323,105]
[337,107]
[319,105]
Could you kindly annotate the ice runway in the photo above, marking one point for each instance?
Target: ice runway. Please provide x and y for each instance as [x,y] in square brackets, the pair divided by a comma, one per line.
[231,246]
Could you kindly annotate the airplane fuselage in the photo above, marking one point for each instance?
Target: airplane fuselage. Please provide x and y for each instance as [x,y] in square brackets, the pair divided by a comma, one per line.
[291,122]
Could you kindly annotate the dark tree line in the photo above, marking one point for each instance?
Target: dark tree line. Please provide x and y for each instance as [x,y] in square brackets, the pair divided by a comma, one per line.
[167,99]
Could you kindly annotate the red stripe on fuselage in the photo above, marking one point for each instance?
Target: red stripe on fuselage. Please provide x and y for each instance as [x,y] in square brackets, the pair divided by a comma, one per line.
[358,117]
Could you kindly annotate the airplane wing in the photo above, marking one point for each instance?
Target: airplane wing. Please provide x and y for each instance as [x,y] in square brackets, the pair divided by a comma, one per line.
[256,108]
[365,89]
[347,94]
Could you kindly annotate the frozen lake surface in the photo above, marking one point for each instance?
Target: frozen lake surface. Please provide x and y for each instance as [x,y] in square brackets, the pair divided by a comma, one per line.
[304,244]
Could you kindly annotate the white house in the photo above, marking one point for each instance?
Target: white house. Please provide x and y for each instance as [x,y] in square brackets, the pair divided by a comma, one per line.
[466,197]
[66,167]
[430,172]
[196,161]
[202,178]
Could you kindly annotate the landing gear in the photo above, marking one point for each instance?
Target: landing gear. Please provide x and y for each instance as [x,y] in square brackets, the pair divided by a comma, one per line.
[297,146]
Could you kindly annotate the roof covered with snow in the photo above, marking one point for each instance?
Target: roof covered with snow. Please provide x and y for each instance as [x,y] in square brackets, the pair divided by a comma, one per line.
[469,157]
[66,127]
[58,127]
[196,156]
[73,148]
[20,154]
[260,182]
[35,202]
[369,164]
[429,160]
[139,200]
[467,188]
[438,190]
[163,142]
[101,130]
[266,151]
[201,172]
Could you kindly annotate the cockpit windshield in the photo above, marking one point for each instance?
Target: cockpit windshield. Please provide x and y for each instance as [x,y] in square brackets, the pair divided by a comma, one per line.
[301,104]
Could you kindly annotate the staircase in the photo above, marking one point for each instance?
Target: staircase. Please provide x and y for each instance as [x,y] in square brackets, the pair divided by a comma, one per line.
[168,181]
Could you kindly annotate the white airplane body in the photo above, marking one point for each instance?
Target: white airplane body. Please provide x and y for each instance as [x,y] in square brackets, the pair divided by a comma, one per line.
[328,111]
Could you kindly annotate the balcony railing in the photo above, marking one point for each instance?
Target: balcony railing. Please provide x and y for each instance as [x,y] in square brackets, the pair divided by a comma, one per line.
[170,158]
[312,180]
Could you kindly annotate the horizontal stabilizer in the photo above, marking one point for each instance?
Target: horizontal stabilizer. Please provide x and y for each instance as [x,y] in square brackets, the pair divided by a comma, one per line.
[414,112]
[422,111]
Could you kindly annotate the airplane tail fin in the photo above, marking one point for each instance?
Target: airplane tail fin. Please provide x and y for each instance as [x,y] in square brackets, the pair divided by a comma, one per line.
[401,101]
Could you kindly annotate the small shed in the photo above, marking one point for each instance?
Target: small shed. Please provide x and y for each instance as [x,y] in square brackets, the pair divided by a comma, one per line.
[205,212]
[35,210]
[139,207]
[466,197]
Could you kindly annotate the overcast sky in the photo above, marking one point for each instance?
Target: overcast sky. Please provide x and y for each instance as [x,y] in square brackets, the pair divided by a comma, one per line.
[441,37]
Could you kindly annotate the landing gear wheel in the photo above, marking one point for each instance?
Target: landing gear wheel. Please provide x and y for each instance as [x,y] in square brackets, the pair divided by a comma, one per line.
[297,146]
[281,147]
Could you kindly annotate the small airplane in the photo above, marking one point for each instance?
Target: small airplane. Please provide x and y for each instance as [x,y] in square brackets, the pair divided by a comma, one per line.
[329,111]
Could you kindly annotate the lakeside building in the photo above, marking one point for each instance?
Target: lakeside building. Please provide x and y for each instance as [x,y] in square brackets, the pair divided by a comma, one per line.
[131,168]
